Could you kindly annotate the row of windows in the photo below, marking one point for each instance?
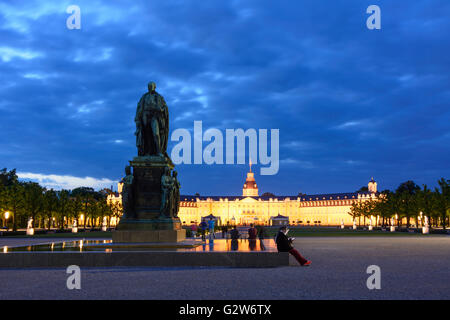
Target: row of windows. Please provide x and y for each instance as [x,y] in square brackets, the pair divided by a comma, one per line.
[302,204]
[187,204]
[326,203]
[331,198]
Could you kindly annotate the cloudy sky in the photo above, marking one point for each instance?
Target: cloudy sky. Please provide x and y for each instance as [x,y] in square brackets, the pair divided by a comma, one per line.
[350,103]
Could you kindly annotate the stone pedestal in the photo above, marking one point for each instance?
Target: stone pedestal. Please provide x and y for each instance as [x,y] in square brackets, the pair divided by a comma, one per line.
[30,231]
[425,230]
[147,173]
[149,235]
[370,228]
[145,222]
[392,229]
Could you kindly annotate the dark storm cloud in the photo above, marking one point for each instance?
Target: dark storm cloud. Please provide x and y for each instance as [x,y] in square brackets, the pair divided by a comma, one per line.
[350,103]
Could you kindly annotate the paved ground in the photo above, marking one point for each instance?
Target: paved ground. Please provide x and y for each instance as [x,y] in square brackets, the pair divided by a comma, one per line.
[411,268]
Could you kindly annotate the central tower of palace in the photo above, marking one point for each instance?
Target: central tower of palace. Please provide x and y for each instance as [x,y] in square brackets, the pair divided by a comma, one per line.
[250,188]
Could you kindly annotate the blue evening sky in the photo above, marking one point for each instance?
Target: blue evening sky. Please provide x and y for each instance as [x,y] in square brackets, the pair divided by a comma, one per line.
[350,103]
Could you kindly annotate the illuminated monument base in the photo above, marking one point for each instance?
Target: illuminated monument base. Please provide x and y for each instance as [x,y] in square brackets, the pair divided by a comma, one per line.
[146,218]
[139,236]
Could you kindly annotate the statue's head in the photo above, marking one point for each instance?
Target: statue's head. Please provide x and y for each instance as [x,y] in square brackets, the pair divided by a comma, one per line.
[127,170]
[151,86]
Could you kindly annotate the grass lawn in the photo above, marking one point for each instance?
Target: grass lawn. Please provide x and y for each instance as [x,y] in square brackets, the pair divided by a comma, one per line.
[335,232]
[270,231]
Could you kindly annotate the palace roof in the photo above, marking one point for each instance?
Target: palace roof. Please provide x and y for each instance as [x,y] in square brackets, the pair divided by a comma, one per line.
[312,197]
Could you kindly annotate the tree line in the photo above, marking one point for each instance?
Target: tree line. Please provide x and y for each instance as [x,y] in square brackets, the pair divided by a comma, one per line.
[408,203]
[53,208]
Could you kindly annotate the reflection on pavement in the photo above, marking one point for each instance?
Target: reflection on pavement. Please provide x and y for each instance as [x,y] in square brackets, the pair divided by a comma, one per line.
[107,246]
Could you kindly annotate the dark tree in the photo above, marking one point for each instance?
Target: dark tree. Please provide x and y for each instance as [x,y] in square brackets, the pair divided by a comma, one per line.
[363,189]
[407,193]
[268,195]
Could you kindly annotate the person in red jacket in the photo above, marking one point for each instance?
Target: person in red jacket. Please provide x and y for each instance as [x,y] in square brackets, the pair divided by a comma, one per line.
[194,229]
[284,244]
[252,232]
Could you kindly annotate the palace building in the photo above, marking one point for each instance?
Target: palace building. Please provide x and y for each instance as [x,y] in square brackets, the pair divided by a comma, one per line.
[318,209]
[308,210]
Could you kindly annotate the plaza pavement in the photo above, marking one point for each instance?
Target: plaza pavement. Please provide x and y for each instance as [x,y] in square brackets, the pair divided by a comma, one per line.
[411,268]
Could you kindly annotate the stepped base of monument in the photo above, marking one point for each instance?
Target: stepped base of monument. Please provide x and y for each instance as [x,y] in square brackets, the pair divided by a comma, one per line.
[260,259]
[149,224]
[241,253]
[126,236]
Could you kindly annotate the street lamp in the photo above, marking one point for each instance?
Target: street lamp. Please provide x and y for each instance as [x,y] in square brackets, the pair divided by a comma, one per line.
[6,220]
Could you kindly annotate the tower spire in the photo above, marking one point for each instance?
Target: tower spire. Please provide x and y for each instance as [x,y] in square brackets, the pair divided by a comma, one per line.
[250,188]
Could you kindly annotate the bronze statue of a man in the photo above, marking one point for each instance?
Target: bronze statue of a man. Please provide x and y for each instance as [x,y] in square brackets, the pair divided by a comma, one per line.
[152,123]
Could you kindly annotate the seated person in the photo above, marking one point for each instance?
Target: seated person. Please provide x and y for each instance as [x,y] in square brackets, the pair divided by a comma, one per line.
[284,244]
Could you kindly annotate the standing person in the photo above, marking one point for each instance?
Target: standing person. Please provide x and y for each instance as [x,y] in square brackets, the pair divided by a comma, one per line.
[234,234]
[203,225]
[194,229]
[284,244]
[261,233]
[252,232]
[211,227]
[224,231]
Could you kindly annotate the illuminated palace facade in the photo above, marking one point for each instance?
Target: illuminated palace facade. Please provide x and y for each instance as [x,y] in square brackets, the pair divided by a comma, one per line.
[319,209]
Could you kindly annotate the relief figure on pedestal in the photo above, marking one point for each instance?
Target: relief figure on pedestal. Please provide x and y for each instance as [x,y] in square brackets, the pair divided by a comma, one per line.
[166,196]
[128,194]
[175,195]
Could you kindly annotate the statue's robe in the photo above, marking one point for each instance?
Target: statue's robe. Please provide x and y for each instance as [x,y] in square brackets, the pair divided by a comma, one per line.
[144,134]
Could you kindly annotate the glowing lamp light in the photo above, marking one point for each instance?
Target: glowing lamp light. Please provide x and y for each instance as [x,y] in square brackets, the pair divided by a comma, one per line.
[6,215]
